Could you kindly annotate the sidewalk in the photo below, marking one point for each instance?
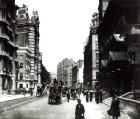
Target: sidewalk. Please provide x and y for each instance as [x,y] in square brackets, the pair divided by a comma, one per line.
[93,110]
[4,98]
[8,102]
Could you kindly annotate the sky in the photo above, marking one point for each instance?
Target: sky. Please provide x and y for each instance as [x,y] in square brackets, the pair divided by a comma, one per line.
[64,28]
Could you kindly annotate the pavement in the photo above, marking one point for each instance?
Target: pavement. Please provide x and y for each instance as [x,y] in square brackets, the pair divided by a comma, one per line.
[8,102]
[4,98]
[40,109]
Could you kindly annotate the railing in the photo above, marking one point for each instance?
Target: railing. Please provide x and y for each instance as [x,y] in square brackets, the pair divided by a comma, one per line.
[130,104]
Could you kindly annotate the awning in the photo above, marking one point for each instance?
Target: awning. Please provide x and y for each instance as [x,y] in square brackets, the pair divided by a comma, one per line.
[104,63]
[118,56]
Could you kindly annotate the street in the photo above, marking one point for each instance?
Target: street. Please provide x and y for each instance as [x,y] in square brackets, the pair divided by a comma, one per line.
[40,109]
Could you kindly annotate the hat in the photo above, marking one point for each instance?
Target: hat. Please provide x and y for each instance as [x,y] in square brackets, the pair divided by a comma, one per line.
[79,100]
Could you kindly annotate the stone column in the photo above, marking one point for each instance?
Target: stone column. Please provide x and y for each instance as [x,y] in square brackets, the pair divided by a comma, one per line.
[13,77]
[39,79]
[0,85]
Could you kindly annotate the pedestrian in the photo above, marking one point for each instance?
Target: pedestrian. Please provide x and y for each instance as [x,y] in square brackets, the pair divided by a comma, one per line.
[100,96]
[68,96]
[114,92]
[79,110]
[31,91]
[114,110]
[87,96]
[97,96]
[97,93]
[91,96]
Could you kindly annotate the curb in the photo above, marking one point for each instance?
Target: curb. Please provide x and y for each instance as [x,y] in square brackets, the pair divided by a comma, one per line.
[15,99]
[19,104]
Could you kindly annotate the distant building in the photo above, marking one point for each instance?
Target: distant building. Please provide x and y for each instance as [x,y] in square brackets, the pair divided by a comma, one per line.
[8,47]
[77,73]
[64,71]
[29,56]
[53,76]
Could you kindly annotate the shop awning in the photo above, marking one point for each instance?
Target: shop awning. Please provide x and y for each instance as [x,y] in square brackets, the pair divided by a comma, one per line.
[118,56]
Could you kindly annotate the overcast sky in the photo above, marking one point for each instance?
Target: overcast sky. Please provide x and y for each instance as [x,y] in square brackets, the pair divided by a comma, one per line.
[64,27]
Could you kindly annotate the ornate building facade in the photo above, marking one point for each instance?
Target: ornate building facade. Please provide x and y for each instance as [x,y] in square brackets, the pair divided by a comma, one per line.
[8,47]
[29,56]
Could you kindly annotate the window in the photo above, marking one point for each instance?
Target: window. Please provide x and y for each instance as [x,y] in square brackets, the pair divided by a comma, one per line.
[26,85]
[20,85]
[21,65]
[132,56]
[21,76]
[21,16]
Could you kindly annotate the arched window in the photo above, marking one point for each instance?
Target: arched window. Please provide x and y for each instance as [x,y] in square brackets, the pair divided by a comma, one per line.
[21,76]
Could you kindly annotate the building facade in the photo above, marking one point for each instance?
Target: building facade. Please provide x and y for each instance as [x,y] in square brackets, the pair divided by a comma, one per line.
[64,71]
[77,74]
[120,21]
[8,47]
[91,55]
[30,58]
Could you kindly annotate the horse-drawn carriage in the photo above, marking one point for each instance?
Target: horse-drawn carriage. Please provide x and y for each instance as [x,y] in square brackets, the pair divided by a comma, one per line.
[54,96]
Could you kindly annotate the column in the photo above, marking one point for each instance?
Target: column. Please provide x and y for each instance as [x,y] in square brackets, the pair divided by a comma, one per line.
[13,77]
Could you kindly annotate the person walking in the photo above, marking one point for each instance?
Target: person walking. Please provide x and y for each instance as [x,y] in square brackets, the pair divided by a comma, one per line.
[100,96]
[91,96]
[79,110]
[68,96]
[87,96]
[114,110]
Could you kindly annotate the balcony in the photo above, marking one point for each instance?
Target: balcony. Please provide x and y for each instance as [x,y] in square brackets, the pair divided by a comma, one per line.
[4,36]
[5,73]
[3,20]
[5,54]
[12,44]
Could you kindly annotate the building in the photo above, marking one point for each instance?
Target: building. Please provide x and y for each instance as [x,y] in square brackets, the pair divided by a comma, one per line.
[64,71]
[8,47]
[120,21]
[29,56]
[53,76]
[91,55]
[77,74]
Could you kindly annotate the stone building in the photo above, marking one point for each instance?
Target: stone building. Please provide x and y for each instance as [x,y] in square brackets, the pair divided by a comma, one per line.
[121,21]
[91,55]
[29,56]
[64,73]
[77,74]
[8,47]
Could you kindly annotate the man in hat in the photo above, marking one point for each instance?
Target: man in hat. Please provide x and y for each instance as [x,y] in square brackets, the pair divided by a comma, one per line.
[80,110]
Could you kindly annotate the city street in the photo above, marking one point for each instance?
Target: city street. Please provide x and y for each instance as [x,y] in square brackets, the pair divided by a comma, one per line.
[40,109]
